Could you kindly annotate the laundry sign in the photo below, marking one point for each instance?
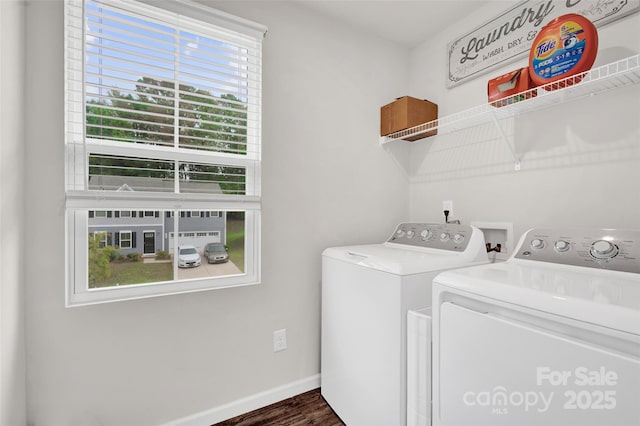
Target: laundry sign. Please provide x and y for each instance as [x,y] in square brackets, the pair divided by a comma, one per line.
[508,36]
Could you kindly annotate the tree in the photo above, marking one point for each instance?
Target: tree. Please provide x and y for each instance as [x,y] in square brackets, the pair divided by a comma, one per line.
[99,259]
[205,121]
[148,115]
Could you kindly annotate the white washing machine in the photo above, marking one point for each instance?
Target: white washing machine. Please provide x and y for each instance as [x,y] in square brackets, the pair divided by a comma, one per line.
[550,337]
[366,293]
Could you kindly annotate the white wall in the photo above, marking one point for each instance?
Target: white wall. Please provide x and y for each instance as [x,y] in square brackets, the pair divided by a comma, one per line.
[580,160]
[325,182]
[12,243]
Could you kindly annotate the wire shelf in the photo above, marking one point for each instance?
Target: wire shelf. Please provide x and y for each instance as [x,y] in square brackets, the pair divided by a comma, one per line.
[617,74]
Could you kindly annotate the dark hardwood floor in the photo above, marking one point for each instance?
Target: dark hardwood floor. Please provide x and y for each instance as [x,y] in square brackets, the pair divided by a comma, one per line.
[308,408]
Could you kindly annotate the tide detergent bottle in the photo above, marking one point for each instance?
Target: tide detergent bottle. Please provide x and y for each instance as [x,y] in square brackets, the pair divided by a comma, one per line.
[567,46]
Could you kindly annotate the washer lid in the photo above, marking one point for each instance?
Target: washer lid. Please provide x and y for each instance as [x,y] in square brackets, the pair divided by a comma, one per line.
[402,260]
[606,298]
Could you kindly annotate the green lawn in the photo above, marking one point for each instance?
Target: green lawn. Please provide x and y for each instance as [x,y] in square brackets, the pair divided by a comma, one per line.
[235,241]
[135,273]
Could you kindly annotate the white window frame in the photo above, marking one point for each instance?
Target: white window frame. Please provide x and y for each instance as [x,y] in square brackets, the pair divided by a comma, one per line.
[130,239]
[102,242]
[80,199]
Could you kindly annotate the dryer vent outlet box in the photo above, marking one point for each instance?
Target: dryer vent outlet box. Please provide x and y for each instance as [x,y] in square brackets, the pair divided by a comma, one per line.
[497,233]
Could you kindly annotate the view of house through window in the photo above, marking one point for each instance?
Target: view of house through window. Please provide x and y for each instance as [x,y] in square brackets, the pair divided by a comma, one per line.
[162,149]
[143,247]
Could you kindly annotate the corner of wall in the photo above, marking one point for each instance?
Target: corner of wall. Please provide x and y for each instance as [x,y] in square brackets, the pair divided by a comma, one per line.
[12,306]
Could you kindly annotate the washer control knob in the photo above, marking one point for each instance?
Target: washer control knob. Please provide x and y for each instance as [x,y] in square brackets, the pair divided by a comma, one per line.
[562,246]
[411,233]
[537,244]
[425,234]
[602,249]
[400,233]
[458,238]
[444,237]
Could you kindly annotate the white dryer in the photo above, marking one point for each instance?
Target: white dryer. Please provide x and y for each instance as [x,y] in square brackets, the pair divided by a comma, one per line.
[550,337]
[366,293]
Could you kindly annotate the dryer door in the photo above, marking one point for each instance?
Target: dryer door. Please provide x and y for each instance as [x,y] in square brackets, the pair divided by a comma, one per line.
[497,371]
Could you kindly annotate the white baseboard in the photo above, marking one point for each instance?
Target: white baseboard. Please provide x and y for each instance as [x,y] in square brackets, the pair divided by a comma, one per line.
[250,403]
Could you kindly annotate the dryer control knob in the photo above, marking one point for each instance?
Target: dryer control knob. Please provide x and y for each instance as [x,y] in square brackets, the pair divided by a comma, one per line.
[562,245]
[444,237]
[602,249]
[411,234]
[425,234]
[400,233]
[458,238]
[537,244]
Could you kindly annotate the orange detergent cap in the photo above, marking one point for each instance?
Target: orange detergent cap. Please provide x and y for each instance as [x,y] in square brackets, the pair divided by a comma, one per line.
[566,46]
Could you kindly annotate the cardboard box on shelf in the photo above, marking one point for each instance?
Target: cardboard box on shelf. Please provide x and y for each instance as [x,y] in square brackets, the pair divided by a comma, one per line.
[406,112]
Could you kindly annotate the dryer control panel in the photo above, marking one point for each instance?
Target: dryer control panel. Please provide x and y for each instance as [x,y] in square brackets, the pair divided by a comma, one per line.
[610,249]
[442,236]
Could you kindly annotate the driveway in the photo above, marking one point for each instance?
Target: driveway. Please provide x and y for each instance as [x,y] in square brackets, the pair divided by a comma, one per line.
[209,270]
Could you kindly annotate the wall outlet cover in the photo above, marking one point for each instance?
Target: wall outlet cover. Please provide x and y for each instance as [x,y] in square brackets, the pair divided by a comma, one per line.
[280,340]
[448,205]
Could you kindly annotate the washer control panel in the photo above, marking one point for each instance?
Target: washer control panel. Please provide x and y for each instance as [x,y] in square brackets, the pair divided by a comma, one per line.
[610,249]
[442,236]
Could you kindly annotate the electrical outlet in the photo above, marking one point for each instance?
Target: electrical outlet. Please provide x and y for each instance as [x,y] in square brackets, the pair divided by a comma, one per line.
[448,205]
[280,340]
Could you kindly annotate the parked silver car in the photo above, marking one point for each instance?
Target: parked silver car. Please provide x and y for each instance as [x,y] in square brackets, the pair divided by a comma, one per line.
[188,257]
[216,253]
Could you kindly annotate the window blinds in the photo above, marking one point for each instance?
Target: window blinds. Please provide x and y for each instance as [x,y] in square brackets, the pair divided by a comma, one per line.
[160,104]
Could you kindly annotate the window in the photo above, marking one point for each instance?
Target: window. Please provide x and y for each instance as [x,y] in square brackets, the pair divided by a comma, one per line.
[125,239]
[162,123]
[102,238]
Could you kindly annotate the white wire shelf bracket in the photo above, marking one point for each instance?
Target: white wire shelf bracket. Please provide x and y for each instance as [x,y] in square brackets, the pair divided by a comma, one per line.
[508,142]
[617,74]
